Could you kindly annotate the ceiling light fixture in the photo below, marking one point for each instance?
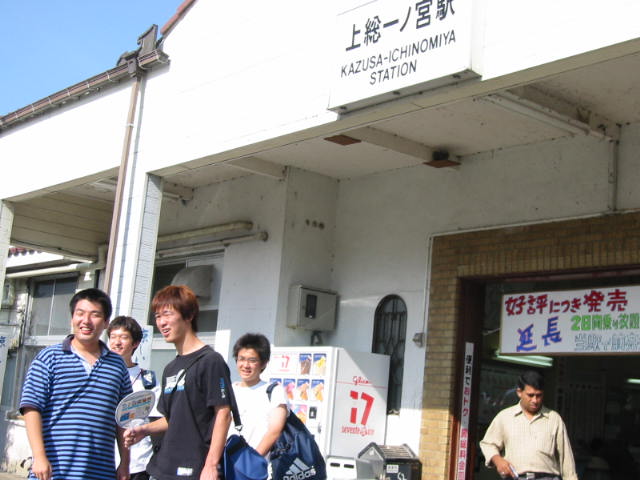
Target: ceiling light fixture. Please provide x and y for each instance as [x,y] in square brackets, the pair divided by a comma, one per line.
[542,114]
[532,360]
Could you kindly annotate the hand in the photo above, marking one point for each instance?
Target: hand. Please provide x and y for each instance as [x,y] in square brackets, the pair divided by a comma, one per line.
[210,472]
[41,468]
[505,469]
[134,435]
[122,473]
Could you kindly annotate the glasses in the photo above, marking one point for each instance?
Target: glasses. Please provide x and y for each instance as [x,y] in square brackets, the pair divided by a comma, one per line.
[250,360]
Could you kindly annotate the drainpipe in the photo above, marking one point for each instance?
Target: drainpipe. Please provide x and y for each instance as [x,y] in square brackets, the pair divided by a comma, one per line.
[612,201]
[122,176]
[147,43]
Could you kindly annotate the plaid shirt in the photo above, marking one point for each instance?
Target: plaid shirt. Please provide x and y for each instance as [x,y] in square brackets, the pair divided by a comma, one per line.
[537,445]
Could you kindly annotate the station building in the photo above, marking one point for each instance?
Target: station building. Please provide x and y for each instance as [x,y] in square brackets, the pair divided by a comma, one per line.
[461,174]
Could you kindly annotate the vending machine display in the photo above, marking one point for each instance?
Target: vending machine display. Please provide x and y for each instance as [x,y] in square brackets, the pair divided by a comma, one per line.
[340,395]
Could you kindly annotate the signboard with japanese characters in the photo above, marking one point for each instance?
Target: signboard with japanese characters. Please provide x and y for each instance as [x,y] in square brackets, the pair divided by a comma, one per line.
[465,413]
[142,355]
[591,321]
[391,48]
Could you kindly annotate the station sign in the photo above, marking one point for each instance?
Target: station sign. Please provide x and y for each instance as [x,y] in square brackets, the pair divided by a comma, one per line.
[389,48]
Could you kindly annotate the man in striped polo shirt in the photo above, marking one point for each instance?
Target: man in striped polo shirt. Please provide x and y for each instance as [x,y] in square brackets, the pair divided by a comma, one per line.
[70,396]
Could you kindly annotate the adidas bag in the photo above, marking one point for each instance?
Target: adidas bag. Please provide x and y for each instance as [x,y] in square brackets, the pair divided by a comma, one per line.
[295,455]
[241,462]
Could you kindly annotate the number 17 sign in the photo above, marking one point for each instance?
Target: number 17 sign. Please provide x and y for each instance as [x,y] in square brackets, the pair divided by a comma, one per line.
[360,406]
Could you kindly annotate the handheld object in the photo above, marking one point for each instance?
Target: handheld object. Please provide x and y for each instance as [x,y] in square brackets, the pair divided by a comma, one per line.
[135,408]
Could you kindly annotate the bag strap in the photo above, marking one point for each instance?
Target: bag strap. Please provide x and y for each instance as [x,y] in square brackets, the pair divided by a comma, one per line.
[270,389]
[234,409]
[232,400]
[183,374]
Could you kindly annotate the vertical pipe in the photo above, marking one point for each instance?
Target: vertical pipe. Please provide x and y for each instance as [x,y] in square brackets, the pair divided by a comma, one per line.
[612,190]
[6,224]
[122,176]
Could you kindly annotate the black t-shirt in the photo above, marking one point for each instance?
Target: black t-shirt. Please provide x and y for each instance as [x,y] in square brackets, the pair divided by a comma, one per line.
[188,408]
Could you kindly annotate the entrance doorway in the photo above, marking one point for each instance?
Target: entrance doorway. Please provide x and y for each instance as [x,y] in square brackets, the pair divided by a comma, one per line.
[596,395]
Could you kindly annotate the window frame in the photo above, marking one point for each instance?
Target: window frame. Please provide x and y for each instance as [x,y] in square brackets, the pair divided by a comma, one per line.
[397,351]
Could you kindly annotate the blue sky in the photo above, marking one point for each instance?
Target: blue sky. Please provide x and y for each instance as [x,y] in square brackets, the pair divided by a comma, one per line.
[47,45]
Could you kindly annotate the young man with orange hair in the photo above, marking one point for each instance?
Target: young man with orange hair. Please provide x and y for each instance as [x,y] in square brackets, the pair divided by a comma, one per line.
[194,399]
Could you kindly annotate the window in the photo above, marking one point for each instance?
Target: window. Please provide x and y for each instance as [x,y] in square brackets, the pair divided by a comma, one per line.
[48,321]
[50,306]
[389,332]
[18,362]
[164,275]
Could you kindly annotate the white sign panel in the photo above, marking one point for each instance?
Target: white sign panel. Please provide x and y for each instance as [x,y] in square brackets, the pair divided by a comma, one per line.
[142,355]
[390,48]
[599,320]
[465,413]
[360,412]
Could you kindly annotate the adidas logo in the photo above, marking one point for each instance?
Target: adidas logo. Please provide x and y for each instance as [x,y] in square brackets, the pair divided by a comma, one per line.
[299,471]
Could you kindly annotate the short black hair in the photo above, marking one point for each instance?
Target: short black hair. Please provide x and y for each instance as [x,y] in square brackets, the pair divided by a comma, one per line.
[255,341]
[126,323]
[531,378]
[94,295]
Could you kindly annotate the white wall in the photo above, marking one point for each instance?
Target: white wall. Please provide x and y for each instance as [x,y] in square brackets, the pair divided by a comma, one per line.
[249,290]
[75,141]
[257,275]
[521,35]
[240,72]
[246,72]
[308,244]
[628,197]
[245,76]
[384,223]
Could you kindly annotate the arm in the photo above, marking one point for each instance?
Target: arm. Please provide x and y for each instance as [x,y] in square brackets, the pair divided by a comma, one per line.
[41,467]
[277,419]
[218,438]
[122,473]
[492,446]
[565,455]
[137,433]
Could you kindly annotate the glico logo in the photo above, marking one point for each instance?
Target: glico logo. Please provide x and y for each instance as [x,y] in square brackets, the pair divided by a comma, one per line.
[358,380]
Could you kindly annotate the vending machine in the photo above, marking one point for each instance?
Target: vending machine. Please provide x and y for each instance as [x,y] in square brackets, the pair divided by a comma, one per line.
[340,395]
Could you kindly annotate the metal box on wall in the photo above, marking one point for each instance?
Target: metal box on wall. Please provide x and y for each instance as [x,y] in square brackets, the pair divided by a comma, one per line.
[311,308]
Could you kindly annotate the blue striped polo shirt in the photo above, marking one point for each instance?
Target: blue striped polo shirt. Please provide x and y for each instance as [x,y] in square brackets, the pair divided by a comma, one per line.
[77,408]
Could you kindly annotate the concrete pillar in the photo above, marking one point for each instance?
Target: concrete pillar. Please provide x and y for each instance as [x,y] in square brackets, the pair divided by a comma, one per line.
[135,253]
[6,222]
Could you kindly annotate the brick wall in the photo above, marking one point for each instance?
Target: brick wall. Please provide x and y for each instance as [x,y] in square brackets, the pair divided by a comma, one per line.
[588,244]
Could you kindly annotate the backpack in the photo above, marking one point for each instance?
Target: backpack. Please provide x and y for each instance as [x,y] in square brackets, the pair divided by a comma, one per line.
[295,455]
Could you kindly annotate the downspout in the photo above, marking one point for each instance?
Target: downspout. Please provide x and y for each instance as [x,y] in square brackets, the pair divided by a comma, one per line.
[136,68]
[612,201]
[122,176]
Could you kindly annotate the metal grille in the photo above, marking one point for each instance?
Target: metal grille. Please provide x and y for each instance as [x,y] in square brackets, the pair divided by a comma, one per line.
[389,332]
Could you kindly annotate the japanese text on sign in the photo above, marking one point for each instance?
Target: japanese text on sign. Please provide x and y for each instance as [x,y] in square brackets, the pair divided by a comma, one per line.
[589,321]
[386,45]
[463,442]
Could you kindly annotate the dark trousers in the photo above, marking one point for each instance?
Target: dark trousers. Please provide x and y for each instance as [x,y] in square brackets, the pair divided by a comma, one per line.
[139,476]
